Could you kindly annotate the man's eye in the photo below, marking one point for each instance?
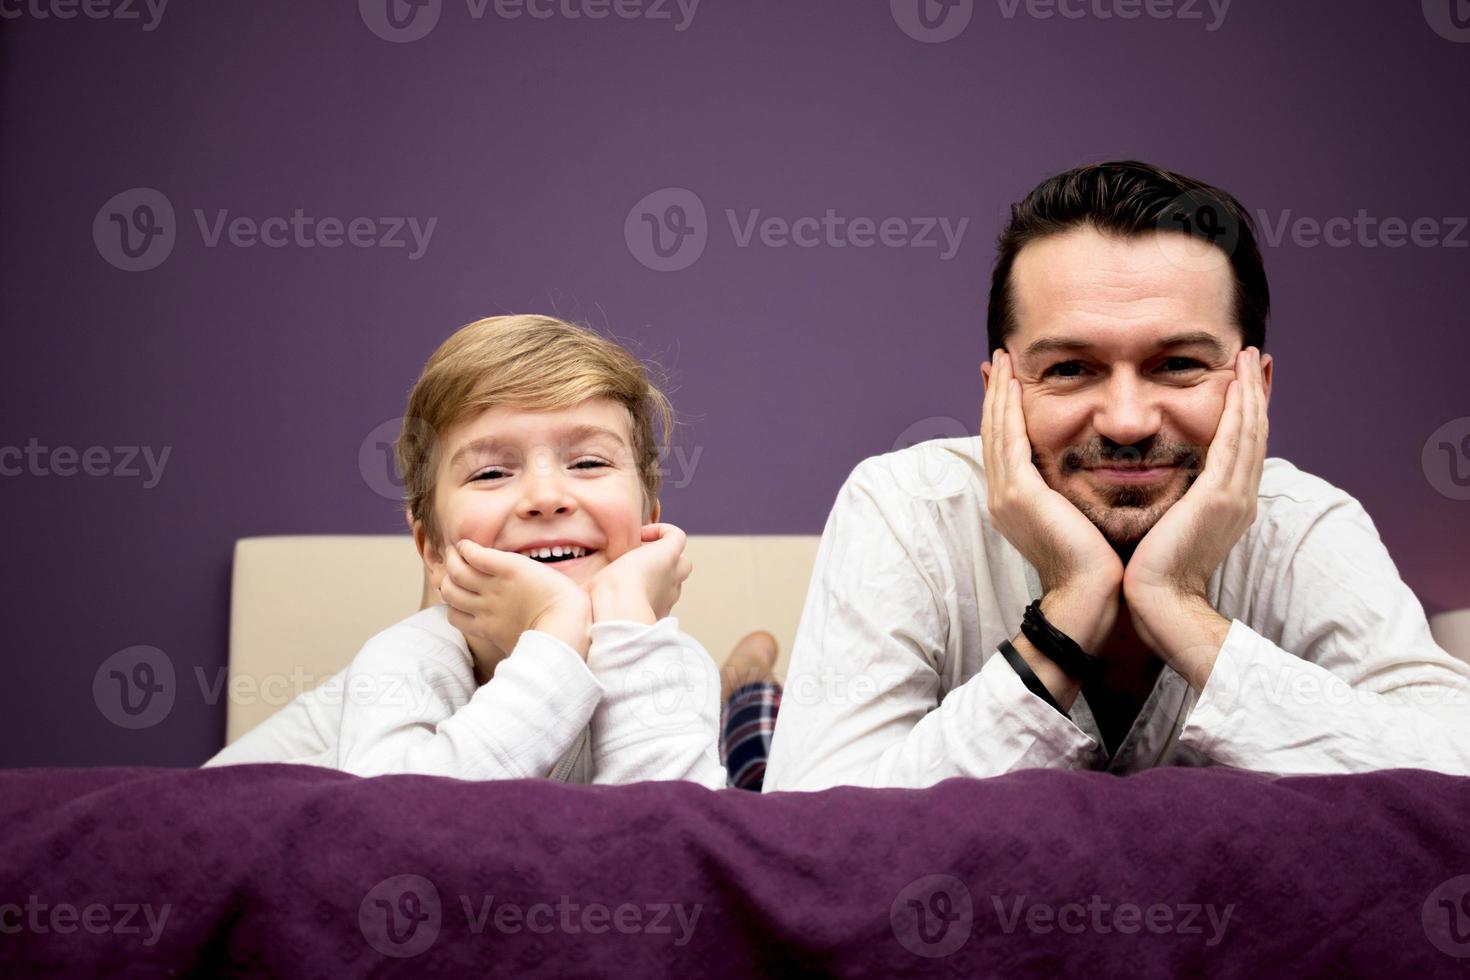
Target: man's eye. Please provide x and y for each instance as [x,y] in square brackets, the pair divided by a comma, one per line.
[1057,369]
[1189,364]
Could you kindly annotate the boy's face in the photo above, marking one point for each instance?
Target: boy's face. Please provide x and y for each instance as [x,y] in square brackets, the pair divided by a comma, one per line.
[516,480]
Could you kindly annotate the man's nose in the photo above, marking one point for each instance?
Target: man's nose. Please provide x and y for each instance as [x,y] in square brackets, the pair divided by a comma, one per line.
[1128,411]
[545,491]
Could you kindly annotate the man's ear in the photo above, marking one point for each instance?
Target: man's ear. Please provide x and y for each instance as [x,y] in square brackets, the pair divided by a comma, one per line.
[1266,362]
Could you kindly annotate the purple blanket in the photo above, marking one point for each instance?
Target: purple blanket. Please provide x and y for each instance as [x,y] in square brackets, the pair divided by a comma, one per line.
[301,872]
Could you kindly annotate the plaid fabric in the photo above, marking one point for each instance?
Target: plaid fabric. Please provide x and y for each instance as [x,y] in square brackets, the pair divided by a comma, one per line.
[747,721]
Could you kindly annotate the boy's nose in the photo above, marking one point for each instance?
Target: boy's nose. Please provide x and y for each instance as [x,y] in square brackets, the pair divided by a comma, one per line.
[545,493]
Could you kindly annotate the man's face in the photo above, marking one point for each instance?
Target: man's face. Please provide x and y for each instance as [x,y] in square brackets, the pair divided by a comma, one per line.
[1126,387]
[517,480]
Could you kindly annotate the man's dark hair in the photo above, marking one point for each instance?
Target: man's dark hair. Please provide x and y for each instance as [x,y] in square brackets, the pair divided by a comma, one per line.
[1128,198]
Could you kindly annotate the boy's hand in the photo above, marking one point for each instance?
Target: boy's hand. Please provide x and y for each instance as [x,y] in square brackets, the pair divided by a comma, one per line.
[643,585]
[497,595]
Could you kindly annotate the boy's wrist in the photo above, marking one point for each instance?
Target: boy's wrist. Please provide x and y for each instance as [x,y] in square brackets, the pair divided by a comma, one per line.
[615,600]
[570,625]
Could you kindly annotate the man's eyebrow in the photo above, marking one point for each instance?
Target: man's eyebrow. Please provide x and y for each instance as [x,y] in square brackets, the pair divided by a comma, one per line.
[488,445]
[1198,338]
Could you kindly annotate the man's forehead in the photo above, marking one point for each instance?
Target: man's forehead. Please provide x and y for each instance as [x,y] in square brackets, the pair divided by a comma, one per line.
[1124,293]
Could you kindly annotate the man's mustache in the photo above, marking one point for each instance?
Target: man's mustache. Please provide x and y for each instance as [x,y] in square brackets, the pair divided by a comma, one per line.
[1075,458]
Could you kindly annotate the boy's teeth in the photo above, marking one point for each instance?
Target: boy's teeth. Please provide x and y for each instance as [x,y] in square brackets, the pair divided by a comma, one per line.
[557,551]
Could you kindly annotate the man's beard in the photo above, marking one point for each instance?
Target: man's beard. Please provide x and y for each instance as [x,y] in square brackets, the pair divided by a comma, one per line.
[1124,512]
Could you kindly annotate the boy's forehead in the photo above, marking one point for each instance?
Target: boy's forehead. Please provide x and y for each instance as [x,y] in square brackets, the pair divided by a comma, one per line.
[594,419]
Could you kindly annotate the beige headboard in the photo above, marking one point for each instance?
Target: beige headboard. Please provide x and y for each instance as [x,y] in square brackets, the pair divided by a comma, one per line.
[302,606]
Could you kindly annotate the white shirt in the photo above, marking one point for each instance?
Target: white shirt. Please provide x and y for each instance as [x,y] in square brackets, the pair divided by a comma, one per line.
[644,705]
[896,678]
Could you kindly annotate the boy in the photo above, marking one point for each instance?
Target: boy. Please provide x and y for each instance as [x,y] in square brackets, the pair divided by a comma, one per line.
[531,475]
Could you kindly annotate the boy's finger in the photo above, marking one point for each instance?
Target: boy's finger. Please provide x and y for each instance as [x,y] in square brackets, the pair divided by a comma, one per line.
[486,561]
[459,572]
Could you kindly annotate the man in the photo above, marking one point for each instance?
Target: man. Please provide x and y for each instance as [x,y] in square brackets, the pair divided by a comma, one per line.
[1199,604]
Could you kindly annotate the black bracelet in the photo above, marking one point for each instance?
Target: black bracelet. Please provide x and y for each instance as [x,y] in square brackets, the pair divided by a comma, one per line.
[1027,675]
[1058,647]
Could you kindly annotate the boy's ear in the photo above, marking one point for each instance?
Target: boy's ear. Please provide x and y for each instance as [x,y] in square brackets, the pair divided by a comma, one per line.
[653,513]
[431,554]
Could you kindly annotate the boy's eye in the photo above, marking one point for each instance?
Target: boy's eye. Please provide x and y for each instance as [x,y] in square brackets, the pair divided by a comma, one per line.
[492,473]
[588,464]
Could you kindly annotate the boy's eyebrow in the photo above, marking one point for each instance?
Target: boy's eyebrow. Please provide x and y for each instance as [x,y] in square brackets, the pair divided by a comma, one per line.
[487,445]
[1197,338]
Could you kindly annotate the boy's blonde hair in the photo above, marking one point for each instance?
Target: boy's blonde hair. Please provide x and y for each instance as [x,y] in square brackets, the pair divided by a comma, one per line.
[529,363]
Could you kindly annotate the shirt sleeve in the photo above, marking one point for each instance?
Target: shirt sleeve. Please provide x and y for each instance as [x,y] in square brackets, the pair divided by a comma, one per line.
[660,711]
[862,703]
[1357,682]
[304,732]
[412,707]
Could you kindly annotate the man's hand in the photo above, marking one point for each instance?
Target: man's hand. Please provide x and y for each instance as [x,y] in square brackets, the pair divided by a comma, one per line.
[643,584]
[1167,578]
[1069,552]
[1181,551]
[495,596]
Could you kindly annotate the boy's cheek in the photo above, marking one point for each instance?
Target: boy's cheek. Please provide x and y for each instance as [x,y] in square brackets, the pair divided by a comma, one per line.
[483,529]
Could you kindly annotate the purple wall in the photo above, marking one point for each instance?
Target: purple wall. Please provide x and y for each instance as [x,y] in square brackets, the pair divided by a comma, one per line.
[530,141]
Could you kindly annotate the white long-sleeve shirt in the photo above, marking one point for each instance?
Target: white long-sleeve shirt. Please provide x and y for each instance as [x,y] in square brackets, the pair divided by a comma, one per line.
[643,706]
[896,678]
